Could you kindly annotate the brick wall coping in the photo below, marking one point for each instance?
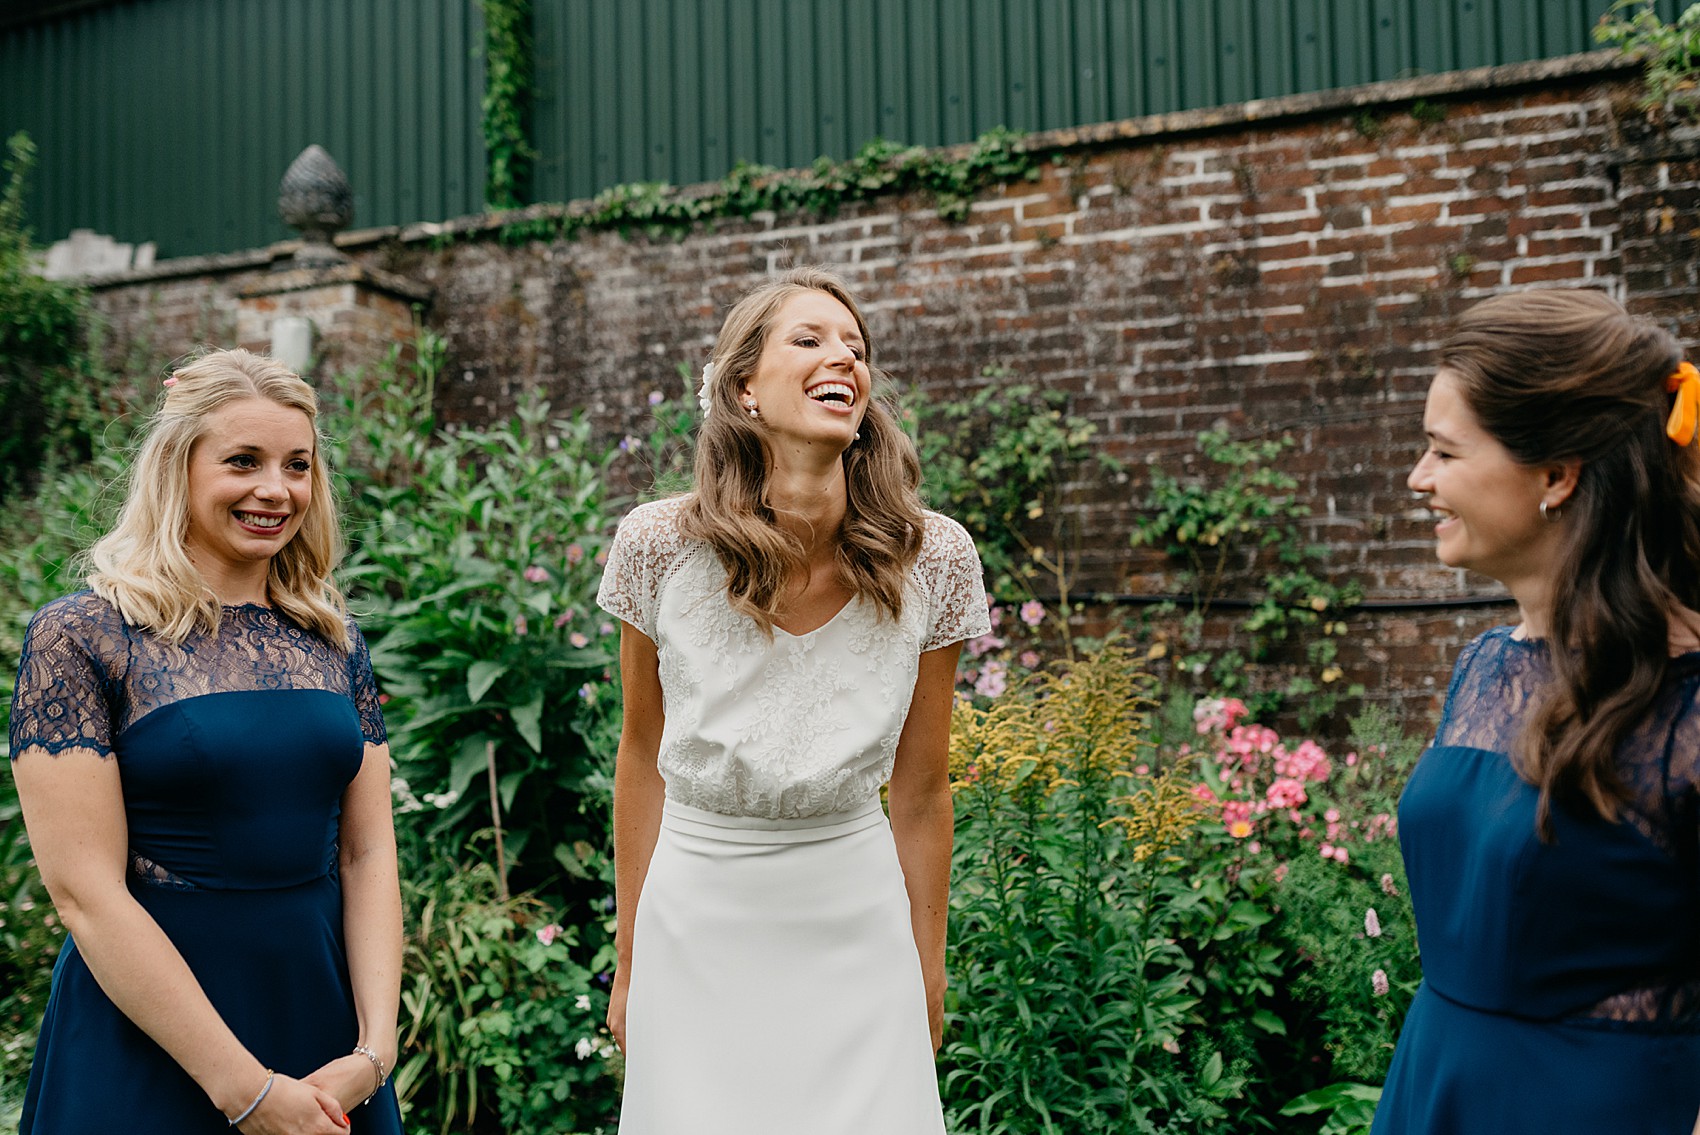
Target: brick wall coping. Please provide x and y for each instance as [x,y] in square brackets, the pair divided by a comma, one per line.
[1506,76]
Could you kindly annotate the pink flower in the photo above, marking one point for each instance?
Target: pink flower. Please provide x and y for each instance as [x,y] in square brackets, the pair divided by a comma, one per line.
[579,639]
[992,681]
[1342,856]
[601,559]
[1280,872]
[1351,759]
[563,619]
[1030,659]
[1255,847]
[1332,815]
[519,625]
[1142,770]
[606,628]
[1032,612]
[170,382]
[1239,829]
[1372,924]
[1327,850]
[1389,887]
[548,934]
[655,398]
[1378,983]
[1286,793]
[1203,794]
[983,645]
[575,553]
[1235,813]
[535,574]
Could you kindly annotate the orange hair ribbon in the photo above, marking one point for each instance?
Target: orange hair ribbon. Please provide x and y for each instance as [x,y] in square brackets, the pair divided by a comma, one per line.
[1684,382]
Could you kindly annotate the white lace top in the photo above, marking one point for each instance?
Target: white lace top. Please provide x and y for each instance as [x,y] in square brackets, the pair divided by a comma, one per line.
[795,725]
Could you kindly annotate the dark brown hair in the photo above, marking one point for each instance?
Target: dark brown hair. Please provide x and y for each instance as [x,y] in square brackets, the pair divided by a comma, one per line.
[1557,376]
[729,509]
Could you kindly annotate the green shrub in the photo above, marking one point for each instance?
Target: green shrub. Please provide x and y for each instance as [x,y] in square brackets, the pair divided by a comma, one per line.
[47,396]
[503,1027]
[1074,984]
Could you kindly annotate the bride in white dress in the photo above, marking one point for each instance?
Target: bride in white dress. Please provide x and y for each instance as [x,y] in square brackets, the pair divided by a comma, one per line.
[789,639]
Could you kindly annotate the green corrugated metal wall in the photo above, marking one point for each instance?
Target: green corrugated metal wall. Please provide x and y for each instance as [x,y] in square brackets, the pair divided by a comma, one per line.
[173,120]
[678,90]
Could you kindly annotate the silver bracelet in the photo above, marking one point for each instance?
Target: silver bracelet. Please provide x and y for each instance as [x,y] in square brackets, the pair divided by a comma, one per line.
[270,1076]
[377,1066]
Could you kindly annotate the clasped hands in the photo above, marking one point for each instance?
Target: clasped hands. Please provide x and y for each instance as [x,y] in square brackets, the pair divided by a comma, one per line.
[317,1104]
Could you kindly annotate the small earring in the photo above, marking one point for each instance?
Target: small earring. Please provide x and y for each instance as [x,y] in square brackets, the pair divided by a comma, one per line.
[751,408]
[1549,514]
[858,436]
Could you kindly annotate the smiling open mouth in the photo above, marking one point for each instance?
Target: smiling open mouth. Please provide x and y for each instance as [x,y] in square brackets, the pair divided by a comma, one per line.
[837,393]
[256,521]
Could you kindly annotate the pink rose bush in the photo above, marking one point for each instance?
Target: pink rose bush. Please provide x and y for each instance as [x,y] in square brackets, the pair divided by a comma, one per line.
[1272,793]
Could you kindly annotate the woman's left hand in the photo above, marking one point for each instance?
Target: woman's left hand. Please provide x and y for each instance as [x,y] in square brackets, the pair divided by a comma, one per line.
[351,1079]
[935,1007]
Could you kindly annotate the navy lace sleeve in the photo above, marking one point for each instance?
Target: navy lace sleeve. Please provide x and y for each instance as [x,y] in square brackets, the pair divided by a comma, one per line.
[363,688]
[63,698]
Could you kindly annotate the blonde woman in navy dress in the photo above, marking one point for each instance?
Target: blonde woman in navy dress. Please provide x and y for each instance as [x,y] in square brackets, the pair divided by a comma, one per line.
[789,639]
[1552,832]
[204,776]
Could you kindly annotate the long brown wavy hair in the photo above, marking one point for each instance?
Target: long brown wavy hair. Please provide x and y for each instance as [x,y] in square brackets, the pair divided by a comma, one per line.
[730,509]
[1557,376]
[142,566]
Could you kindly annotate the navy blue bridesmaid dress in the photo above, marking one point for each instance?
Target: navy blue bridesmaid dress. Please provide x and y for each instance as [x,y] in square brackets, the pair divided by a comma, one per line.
[1561,980]
[234,751]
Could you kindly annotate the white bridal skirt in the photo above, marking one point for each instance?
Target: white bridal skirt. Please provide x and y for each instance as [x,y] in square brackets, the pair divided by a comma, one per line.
[775,986]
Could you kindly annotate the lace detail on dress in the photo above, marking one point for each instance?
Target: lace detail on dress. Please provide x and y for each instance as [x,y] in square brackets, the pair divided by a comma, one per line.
[147,871]
[1500,680]
[795,725]
[86,675]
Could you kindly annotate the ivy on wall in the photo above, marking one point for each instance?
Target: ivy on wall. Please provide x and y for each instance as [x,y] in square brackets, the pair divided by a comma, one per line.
[507,102]
[1669,53]
[951,177]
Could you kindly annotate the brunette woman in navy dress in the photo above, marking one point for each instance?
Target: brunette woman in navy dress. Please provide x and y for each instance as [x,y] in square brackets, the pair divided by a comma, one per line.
[203,771]
[1550,833]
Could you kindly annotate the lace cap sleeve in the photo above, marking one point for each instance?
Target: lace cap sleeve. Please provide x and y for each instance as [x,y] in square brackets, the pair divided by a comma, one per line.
[645,547]
[63,698]
[363,688]
[951,563]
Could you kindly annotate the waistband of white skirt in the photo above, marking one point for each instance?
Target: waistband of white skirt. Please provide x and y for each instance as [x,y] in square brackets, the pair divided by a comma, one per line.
[761,829]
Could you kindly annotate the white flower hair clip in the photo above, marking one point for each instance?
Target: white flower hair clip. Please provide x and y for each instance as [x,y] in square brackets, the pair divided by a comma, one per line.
[703,399]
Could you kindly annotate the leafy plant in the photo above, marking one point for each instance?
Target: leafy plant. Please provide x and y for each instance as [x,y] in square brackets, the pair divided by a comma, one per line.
[1670,53]
[1072,983]
[47,402]
[506,102]
[502,1011]
[1239,523]
[1000,462]
[474,563]
[951,177]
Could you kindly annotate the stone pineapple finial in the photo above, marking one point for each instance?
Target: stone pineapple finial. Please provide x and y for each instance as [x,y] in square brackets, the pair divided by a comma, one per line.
[315,198]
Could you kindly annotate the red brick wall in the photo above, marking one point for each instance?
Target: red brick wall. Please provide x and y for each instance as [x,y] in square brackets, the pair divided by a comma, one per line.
[1276,274]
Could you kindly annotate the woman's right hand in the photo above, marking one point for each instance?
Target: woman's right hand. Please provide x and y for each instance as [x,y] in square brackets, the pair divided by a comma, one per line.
[617,1006]
[295,1107]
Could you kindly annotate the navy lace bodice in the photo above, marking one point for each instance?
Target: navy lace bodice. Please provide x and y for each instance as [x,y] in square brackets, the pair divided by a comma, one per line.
[87,675]
[1602,922]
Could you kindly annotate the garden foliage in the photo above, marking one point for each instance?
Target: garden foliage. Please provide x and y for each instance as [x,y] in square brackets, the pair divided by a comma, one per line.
[1148,933]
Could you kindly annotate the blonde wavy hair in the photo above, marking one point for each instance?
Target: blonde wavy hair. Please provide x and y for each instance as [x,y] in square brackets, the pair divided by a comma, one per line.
[142,566]
[730,510]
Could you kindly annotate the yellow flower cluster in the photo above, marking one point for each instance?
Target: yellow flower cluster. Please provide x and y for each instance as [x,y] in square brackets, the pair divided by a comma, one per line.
[1159,815]
[1078,723]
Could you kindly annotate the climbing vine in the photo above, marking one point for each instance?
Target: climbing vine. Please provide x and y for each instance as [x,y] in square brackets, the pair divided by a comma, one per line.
[952,177]
[1669,53]
[507,98]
